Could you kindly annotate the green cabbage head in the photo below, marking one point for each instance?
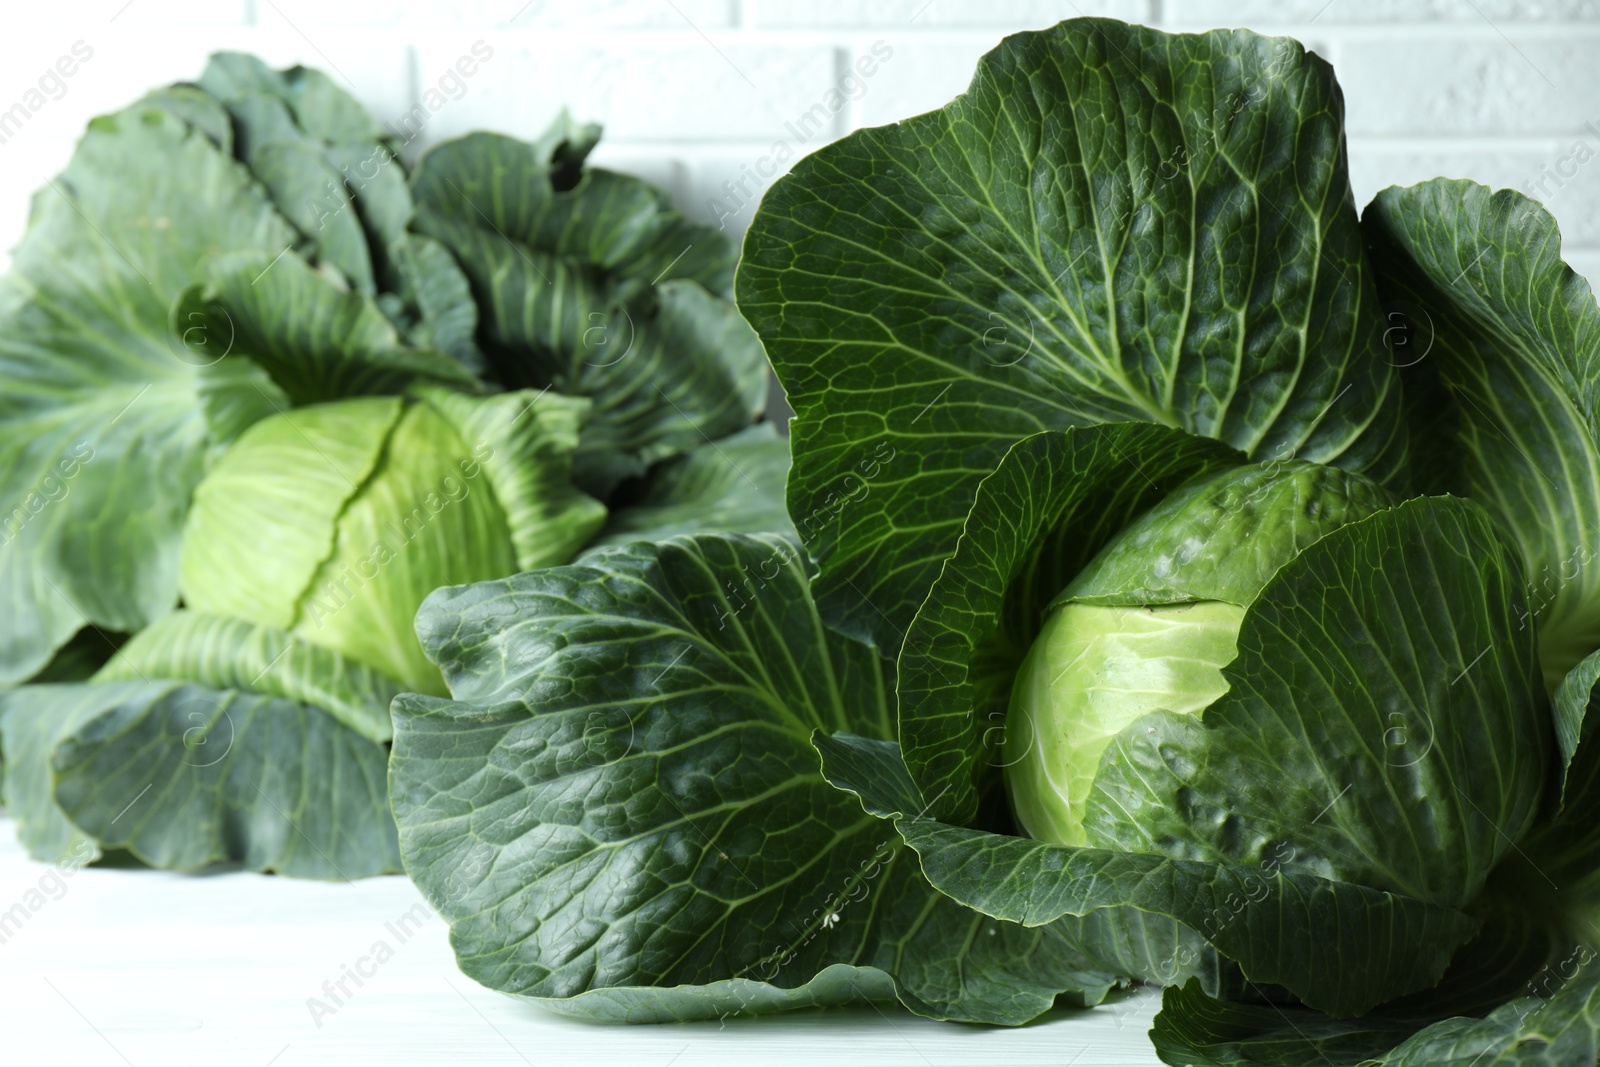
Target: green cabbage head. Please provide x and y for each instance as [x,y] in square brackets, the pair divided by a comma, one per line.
[1149,624]
[332,522]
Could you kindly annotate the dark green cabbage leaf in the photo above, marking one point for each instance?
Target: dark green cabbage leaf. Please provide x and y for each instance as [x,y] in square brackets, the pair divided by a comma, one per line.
[620,812]
[1110,224]
[1513,335]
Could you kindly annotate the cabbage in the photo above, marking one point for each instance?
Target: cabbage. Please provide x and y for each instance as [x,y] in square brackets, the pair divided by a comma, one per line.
[1194,585]
[262,391]
[1152,619]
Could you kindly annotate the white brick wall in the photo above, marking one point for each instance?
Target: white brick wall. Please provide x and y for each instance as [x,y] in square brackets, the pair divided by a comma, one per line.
[697,93]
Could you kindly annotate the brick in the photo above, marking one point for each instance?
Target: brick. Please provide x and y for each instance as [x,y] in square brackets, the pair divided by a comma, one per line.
[513,14]
[659,168]
[42,102]
[1479,86]
[730,206]
[673,92]
[1010,15]
[918,76]
[1279,12]
[1551,174]
[128,61]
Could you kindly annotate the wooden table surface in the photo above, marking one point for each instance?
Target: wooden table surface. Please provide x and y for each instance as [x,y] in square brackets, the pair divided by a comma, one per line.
[154,969]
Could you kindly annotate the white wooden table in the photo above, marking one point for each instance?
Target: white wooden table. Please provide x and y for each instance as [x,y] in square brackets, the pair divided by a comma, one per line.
[154,969]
